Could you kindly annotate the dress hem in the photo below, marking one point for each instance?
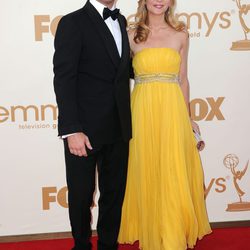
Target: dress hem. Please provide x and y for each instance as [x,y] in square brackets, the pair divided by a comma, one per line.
[188,246]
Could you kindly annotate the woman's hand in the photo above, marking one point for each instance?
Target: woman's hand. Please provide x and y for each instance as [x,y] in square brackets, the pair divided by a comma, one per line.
[195,126]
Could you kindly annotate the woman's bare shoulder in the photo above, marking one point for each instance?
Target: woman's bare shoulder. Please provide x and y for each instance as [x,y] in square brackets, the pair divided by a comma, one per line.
[182,37]
[131,33]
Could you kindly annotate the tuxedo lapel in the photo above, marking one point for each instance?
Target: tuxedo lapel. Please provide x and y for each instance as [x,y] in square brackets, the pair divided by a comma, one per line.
[104,32]
[125,45]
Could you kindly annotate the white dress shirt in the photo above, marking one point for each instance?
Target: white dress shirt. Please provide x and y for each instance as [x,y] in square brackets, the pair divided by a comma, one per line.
[114,28]
[113,25]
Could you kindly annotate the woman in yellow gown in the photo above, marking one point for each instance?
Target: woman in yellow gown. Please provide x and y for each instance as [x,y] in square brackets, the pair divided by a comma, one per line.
[164,204]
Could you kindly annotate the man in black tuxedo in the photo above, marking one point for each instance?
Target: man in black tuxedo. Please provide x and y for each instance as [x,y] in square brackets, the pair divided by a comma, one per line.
[91,66]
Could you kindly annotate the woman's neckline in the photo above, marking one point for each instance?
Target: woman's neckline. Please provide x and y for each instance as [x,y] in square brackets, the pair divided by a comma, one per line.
[148,48]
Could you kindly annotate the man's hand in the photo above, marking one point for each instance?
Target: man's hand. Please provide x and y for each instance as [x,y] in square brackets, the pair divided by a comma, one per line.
[77,144]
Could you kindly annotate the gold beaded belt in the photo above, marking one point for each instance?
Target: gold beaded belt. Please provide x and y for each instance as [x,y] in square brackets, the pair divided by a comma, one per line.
[161,77]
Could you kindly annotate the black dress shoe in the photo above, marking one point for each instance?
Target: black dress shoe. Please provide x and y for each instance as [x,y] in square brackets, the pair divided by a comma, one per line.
[87,247]
[101,246]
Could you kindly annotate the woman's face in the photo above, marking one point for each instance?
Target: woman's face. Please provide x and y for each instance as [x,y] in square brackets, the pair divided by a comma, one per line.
[157,7]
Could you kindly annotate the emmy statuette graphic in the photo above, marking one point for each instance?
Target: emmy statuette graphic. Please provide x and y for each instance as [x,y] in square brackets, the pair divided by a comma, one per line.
[231,162]
[243,12]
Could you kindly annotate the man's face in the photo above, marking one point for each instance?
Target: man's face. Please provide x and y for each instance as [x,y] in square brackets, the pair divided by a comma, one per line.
[108,3]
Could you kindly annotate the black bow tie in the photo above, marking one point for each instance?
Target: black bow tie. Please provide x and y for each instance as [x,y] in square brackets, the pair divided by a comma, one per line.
[110,13]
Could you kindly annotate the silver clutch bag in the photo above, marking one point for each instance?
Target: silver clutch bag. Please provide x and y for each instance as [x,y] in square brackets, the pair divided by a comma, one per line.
[200,143]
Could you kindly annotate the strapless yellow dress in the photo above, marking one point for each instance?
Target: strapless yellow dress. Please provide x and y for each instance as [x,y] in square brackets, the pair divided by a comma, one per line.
[164,204]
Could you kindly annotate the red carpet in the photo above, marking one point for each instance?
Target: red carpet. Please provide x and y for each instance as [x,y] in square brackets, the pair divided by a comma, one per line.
[228,239]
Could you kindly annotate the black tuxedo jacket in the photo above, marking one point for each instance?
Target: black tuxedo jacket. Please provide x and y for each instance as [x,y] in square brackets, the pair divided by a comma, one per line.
[91,79]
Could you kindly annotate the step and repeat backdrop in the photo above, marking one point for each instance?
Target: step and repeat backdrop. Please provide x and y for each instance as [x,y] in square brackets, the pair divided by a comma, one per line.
[33,192]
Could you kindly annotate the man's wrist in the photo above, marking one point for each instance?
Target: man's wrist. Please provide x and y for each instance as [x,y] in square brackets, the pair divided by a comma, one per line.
[66,136]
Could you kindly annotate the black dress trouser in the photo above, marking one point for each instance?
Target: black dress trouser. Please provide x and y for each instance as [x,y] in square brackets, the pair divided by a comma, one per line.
[111,161]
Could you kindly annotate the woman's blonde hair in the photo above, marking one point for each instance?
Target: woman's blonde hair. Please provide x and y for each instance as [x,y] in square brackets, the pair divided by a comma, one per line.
[140,23]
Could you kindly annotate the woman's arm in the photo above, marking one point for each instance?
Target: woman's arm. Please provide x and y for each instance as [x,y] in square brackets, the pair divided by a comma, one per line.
[131,44]
[184,83]
[183,75]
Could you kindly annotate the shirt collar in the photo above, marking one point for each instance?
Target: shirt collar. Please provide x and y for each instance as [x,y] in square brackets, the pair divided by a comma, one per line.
[99,7]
